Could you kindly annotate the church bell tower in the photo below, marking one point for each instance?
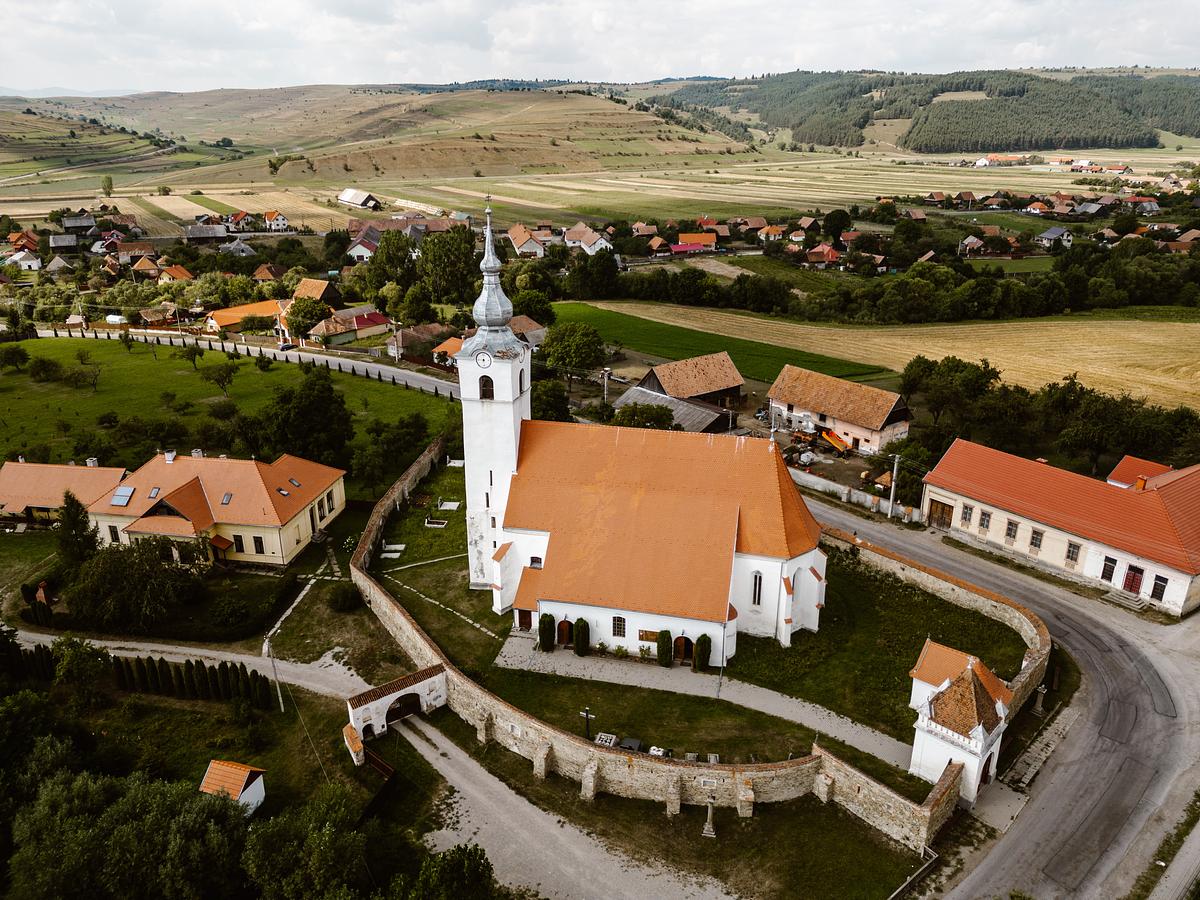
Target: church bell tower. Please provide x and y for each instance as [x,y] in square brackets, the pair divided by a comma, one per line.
[494,385]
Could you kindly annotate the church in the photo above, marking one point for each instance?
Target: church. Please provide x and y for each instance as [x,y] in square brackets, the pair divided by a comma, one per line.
[634,530]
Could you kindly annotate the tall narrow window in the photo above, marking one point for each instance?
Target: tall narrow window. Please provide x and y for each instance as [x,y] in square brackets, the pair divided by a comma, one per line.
[114,536]
[486,389]
[756,589]
[1110,566]
[618,626]
[258,545]
[1160,588]
[521,381]
[239,545]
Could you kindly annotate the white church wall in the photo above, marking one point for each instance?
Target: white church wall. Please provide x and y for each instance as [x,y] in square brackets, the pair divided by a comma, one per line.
[763,619]
[526,548]
[921,691]
[639,625]
[934,746]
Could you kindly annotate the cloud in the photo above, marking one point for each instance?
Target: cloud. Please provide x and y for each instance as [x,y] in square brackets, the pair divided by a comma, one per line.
[177,45]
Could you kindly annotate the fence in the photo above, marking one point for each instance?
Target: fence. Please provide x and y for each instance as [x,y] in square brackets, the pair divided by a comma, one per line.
[846,494]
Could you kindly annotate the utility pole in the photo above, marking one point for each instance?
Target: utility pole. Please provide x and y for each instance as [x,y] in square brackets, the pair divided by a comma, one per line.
[274,672]
[895,475]
[604,376]
[587,721]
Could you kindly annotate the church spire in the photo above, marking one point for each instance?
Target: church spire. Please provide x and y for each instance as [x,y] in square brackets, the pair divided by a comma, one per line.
[492,309]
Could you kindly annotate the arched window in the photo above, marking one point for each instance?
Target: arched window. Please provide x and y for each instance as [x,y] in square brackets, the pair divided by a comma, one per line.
[521,382]
[756,589]
[486,390]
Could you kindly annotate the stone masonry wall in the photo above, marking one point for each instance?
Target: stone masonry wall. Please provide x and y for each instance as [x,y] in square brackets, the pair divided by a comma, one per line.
[970,596]
[668,781]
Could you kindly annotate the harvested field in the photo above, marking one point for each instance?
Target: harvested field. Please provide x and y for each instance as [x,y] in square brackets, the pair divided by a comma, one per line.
[298,206]
[1154,359]
[181,207]
[152,217]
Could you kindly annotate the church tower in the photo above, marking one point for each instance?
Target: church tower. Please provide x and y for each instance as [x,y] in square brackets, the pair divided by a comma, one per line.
[494,384]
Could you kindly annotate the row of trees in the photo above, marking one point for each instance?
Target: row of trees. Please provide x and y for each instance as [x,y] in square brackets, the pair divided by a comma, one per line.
[192,680]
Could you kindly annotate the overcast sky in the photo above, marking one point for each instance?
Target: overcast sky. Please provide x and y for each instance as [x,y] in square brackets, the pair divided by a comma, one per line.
[184,45]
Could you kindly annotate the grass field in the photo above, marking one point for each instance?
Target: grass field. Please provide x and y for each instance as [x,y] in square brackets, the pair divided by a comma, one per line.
[39,144]
[209,203]
[754,359]
[804,279]
[1156,359]
[131,383]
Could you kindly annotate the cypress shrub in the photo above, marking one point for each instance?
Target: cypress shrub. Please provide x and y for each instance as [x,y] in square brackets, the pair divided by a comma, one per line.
[152,684]
[701,653]
[141,679]
[243,682]
[127,664]
[546,632]
[178,682]
[224,681]
[214,682]
[189,680]
[202,680]
[583,637]
[165,684]
[664,649]
[118,671]
[265,700]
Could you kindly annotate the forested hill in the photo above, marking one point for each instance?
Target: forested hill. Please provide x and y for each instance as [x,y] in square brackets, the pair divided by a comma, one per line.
[1010,110]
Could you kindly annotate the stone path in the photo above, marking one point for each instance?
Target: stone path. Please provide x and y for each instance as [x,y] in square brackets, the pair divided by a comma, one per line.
[334,565]
[519,652]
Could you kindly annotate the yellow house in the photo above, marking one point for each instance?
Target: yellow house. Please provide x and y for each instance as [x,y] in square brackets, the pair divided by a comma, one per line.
[242,510]
[34,491]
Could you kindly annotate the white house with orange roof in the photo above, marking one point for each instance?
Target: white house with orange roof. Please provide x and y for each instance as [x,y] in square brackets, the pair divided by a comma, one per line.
[273,220]
[1140,540]
[635,531]
[238,781]
[239,510]
[35,491]
[961,709]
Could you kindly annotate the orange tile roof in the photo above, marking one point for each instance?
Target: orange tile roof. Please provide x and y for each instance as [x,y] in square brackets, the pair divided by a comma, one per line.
[706,237]
[847,400]
[316,288]
[1161,523]
[194,488]
[649,520]
[965,704]
[145,264]
[232,778]
[231,315]
[937,663]
[394,686]
[450,346]
[41,486]
[1130,468]
[177,273]
[699,375]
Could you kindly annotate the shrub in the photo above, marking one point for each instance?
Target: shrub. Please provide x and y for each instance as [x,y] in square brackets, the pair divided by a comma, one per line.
[107,419]
[621,652]
[664,649]
[42,368]
[601,648]
[223,410]
[644,651]
[583,637]
[701,653]
[230,609]
[546,632]
[345,597]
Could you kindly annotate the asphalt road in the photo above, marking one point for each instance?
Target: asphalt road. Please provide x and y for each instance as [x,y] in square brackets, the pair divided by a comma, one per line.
[1121,776]
[337,363]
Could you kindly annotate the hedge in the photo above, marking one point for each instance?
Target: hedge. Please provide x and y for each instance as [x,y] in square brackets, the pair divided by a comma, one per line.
[664,649]
[701,653]
[546,632]
[583,637]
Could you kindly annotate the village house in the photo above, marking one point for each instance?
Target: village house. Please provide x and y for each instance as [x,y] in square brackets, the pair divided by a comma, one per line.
[771,233]
[33,492]
[241,783]
[641,229]
[236,510]
[1047,238]
[416,339]
[64,243]
[696,241]
[961,714]
[25,261]
[237,247]
[1142,541]
[865,418]
[81,223]
[636,531]
[240,221]
[712,378]
[204,234]
[351,324]
[58,266]
[363,247]
[174,273]
[584,237]
[686,415]
[317,289]
[358,199]
[268,272]
[146,268]
[128,252]
[273,220]
[230,318]
[524,244]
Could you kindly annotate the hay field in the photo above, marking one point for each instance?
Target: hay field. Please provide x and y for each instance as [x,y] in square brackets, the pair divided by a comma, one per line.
[152,217]
[299,207]
[180,207]
[1158,360]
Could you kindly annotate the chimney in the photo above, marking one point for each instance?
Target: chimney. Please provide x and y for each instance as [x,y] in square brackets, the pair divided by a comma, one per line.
[93,462]
[1139,483]
[1042,459]
[169,456]
[197,453]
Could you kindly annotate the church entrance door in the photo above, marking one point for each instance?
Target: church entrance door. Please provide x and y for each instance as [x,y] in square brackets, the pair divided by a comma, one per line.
[524,619]
[565,632]
[683,649]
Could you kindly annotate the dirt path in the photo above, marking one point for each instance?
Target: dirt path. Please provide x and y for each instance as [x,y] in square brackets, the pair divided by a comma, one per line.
[1155,359]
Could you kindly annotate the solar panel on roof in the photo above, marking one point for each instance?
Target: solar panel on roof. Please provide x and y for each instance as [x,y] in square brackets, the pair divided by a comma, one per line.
[122,496]
[294,482]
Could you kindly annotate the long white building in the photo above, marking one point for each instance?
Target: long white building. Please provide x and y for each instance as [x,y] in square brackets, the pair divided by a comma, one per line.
[635,531]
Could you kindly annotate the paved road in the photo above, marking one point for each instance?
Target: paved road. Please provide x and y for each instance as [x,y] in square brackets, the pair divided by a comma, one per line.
[426,383]
[531,848]
[518,653]
[1094,817]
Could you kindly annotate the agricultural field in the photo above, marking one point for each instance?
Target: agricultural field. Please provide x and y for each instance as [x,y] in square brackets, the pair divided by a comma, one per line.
[625,323]
[301,207]
[179,207]
[35,145]
[1155,358]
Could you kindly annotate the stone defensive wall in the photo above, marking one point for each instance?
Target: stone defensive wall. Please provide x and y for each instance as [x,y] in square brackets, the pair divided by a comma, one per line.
[996,606]
[675,782]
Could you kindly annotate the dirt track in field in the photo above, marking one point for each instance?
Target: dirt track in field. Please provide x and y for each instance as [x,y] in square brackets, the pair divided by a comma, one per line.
[1159,360]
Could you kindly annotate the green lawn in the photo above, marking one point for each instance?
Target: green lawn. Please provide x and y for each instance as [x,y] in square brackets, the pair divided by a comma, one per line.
[131,384]
[798,849]
[215,205]
[761,362]
[805,279]
[872,629]
[356,637]
[421,542]
[1027,264]
[23,556]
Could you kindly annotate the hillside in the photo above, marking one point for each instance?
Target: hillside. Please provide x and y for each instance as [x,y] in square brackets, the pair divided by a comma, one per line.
[981,110]
[31,144]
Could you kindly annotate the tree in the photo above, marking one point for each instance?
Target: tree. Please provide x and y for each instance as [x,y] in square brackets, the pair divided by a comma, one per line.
[133,585]
[304,315]
[221,375]
[572,348]
[536,305]
[546,632]
[417,307]
[191,352]
[447,265]
[106,185]
[309,420]
[13,356]
[664,649]
[701,653]
[82,666]
[461,871]
[394,262]
[548,401]
[644,415]
[77,537]
[836,221]
[582,637]
[126,340]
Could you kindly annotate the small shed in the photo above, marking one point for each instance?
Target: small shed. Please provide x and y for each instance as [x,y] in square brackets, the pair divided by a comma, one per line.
[238,781]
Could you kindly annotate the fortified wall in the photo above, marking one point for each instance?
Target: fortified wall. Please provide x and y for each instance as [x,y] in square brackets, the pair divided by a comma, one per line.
[676,782]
